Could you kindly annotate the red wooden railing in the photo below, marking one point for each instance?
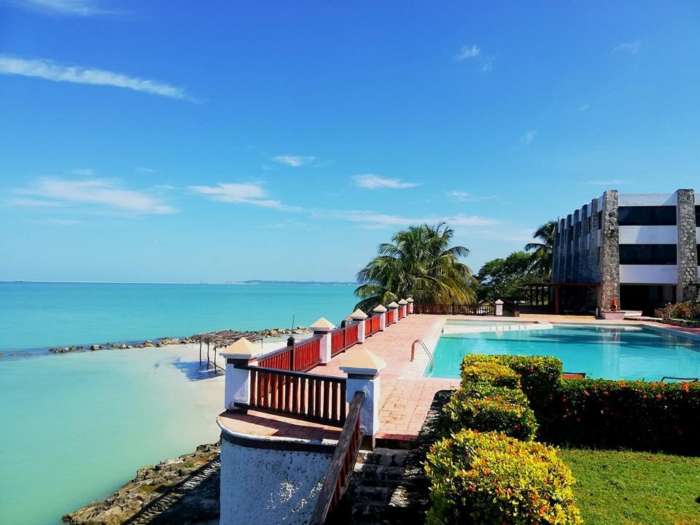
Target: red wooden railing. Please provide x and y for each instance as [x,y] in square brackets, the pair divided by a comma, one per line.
[302,396]
[342,463]
[368,327]
[376,323]
[352,334]
[299,357]
[337,341]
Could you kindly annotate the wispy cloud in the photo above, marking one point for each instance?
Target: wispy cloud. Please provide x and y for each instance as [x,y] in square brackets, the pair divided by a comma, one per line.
[143,169]
[56,221]
[529,137]
[99,193]
[463,196]
[294,161]
[65,7]
[380,220]
[631,48]
[467,52]
[48,70]
[83,172]
[371,181]
[241,193]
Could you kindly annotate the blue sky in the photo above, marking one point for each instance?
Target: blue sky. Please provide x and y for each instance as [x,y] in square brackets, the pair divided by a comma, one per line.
[220,141]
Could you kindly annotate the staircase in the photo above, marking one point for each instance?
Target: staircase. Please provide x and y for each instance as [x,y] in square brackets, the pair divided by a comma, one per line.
[387,487]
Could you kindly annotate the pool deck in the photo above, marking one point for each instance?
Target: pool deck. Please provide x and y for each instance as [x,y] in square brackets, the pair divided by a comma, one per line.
[406,393]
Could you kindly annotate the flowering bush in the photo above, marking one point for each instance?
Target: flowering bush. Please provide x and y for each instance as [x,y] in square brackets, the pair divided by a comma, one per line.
[688,310]
[493,408]
[638,415]
[490,372]
[490,478]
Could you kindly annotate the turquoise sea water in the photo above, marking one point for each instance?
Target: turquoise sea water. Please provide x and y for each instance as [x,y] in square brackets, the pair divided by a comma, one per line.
[76,426]
[601,352]
[34,315]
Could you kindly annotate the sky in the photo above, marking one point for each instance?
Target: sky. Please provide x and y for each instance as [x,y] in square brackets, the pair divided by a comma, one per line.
[178,141]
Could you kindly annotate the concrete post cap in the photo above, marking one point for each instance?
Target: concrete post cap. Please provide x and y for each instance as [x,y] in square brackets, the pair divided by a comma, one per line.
[403,302]
[393,304]
[499,301]
[358,315]
[322,324]
[241,349]
[409,300]
[379,309]
[362,362]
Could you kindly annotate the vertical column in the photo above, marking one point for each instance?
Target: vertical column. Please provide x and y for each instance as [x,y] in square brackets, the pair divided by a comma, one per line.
[568,229]
[323,328]
[609,290]
[499,308]
[358,317]
[238,357]
[576,245]
[593,262]
[380,310]
[402,308]
[393,312]
[687,246]
[362,368]
[410,305]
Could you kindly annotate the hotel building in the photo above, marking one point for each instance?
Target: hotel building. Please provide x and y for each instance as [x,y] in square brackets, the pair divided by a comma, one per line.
[634,251]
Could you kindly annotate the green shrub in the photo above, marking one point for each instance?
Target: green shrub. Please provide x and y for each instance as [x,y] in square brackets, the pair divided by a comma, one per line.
[480,478]
[638,415]
[498,409]
[490,372]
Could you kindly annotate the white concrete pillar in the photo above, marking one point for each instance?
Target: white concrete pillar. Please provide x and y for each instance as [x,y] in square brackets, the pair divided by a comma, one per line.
[323,328]
[362,368]
[410,305]
[499,308]
[393,311]
[239,355]
[358,316]
[380,310]
[402,308]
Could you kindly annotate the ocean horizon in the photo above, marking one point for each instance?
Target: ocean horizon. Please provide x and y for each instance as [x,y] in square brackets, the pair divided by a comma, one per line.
[79,425]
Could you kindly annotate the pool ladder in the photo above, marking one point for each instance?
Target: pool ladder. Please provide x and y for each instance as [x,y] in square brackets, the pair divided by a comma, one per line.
[425,348]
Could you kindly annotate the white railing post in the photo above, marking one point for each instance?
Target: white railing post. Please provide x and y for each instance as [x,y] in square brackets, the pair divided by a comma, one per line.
[323,328]
[410,305]
[402,308]
[381,310]
[394,311]
[499,308]
[358,316]
[238,356]
[362,368]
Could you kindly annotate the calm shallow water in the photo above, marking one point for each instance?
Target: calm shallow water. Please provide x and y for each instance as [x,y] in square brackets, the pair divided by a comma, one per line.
[77,426]
[601,352]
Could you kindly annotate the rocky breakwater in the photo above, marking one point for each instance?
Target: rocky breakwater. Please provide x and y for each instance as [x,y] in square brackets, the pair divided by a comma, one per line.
[183,490]
[219,338]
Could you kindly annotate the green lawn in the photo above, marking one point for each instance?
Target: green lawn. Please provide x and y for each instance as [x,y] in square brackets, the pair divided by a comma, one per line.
[616,488]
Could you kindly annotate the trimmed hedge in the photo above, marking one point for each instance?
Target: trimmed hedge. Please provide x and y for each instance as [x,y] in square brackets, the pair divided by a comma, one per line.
[638,415]
[479,478]
[486,408]
[490,372]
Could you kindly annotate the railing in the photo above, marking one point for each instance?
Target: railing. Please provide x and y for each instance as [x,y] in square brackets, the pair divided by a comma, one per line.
[376,323]
[425,349]
[391,317]
[344,338]
[303,396]
[342,463]
[456,309]
[368,327]
[299,357]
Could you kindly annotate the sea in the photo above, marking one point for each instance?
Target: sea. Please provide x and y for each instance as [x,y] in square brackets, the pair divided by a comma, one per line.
[76,426]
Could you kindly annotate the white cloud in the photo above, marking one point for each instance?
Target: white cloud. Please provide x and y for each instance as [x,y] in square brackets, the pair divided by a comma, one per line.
[84,172]
[47,70]
[371,181]
[487,66]
[143,169]
[380,220]
[65,7]
[529,137]
[631,48]
[463,196]
[55,221]
[100,193]
[468,52]
[240,193]
[294,161]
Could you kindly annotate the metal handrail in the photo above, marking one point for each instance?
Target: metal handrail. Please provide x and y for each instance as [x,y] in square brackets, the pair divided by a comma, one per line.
[425,348]
[680,379]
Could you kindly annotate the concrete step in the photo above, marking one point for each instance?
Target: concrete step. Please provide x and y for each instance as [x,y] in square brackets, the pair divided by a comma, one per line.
[383,456]
[373,472]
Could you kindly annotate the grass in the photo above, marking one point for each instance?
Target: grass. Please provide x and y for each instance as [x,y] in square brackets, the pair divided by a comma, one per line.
[625,488]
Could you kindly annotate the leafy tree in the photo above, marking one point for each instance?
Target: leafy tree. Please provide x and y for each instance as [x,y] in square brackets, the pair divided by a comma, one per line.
[421,263]
[541,251]
[504,278]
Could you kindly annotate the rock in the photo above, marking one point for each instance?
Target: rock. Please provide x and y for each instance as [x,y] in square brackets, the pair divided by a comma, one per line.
[94,347]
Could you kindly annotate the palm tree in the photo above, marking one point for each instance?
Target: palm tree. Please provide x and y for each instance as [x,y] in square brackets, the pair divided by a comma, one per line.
[419,262]
[541,252]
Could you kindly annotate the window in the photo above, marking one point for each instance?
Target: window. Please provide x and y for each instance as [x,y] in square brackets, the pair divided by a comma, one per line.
[648,254]
[600,220]
[697,216]
[646,215]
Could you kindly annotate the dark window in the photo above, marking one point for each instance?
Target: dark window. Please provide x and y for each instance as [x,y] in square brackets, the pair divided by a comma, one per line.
[578,229]
[588,224]
[647,254]
[646,215]
[697,216]
[600,220]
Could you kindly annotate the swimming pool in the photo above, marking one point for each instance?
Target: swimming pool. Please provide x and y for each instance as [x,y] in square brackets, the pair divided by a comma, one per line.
[599,351]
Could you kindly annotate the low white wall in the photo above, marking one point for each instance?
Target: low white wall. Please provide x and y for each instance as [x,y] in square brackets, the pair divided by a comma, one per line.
[648,274]
[269,486]
[648,234]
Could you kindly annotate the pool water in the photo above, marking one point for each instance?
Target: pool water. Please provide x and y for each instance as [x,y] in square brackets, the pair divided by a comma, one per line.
[600,352]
